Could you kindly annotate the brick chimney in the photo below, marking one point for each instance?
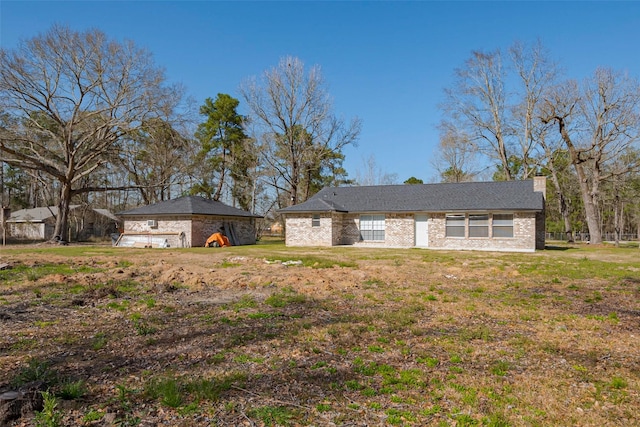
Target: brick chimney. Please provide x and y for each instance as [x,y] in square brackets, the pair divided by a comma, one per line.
[540,185]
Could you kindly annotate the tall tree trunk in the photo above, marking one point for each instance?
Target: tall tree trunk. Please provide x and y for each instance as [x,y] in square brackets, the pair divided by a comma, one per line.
[618,216]
[62,221]
[589,195]
[2,195]
[223,169]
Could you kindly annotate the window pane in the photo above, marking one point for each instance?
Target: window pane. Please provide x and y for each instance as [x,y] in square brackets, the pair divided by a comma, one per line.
[503,220]
[455,220]
[478,231]
[502,225]
[454,226]
[479,225]
[502,232]
[315,222]
[455,231]
[478,220]
[372,227]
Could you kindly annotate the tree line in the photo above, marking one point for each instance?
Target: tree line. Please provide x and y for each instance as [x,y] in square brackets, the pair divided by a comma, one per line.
[511,115]
[88,119]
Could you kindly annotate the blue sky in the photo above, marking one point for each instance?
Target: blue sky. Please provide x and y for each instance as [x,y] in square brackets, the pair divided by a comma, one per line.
[385,62]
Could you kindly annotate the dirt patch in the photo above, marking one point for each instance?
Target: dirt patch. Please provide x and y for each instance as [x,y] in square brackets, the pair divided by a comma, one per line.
[192,337]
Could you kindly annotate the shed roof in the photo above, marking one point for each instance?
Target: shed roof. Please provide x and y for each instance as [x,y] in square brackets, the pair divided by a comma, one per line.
[188,205]
[446,197]
[43,213]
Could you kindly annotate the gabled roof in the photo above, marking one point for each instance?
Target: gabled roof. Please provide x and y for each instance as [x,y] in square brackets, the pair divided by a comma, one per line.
[447,197]
[188,205]
[107,213]
[44,213]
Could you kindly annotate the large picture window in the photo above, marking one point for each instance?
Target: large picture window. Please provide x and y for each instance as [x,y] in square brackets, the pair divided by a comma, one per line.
[372,227]
[478,225]
[455,225]
[502,225]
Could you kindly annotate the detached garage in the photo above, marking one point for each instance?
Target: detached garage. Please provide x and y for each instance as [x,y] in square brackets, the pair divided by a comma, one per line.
[186,222]
[84,223]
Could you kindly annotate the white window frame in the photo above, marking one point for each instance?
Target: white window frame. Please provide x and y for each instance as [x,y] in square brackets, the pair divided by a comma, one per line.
[479,225]
[315,220]
[502,224]
[372,227]
[455,222]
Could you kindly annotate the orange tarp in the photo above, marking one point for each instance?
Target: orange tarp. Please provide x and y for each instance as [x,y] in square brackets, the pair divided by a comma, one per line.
[220,238]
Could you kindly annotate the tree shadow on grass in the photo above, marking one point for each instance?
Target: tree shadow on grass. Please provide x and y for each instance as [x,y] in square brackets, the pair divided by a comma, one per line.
[557,248]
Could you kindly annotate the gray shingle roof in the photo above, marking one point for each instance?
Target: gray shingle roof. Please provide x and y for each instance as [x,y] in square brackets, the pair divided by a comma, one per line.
[35,214]
[43,213]
[467,196]
[188,205]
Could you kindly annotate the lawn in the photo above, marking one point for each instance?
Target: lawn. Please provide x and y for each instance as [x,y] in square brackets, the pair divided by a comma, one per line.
[266,335]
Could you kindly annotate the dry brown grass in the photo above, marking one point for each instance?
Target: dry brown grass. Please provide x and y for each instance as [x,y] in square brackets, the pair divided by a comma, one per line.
[384,337]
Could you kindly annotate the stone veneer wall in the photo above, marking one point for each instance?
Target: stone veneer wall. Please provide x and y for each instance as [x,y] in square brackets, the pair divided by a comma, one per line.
[523,240]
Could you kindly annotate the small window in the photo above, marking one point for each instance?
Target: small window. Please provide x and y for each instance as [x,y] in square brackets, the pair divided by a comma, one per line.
[315,221]
[502,225]
[372,227]
[455,226]
[479,225]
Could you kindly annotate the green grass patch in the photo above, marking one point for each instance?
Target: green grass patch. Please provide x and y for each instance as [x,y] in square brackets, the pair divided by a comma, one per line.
[313,261]
[285,297]
[21,272]
[71,390]
[35,370]
[246,301]
[273,415]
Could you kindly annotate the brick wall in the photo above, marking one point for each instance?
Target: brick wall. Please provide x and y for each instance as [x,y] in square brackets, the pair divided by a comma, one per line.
[205,225]
[196,228]
[343,229]
[300,232]
[523,240]
[398,233]
[170,224]
[350,229]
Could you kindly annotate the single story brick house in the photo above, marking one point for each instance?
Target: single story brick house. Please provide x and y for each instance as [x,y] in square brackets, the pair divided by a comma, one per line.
[186,222]
[492,216]
[39,223]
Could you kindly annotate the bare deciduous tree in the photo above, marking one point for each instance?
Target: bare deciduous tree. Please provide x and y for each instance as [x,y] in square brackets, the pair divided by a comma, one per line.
[72,96]
[300,134]
[156,157]
[477,103]
[373,174]
[598,123]
[493,101]
[455,157]
[536,73]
